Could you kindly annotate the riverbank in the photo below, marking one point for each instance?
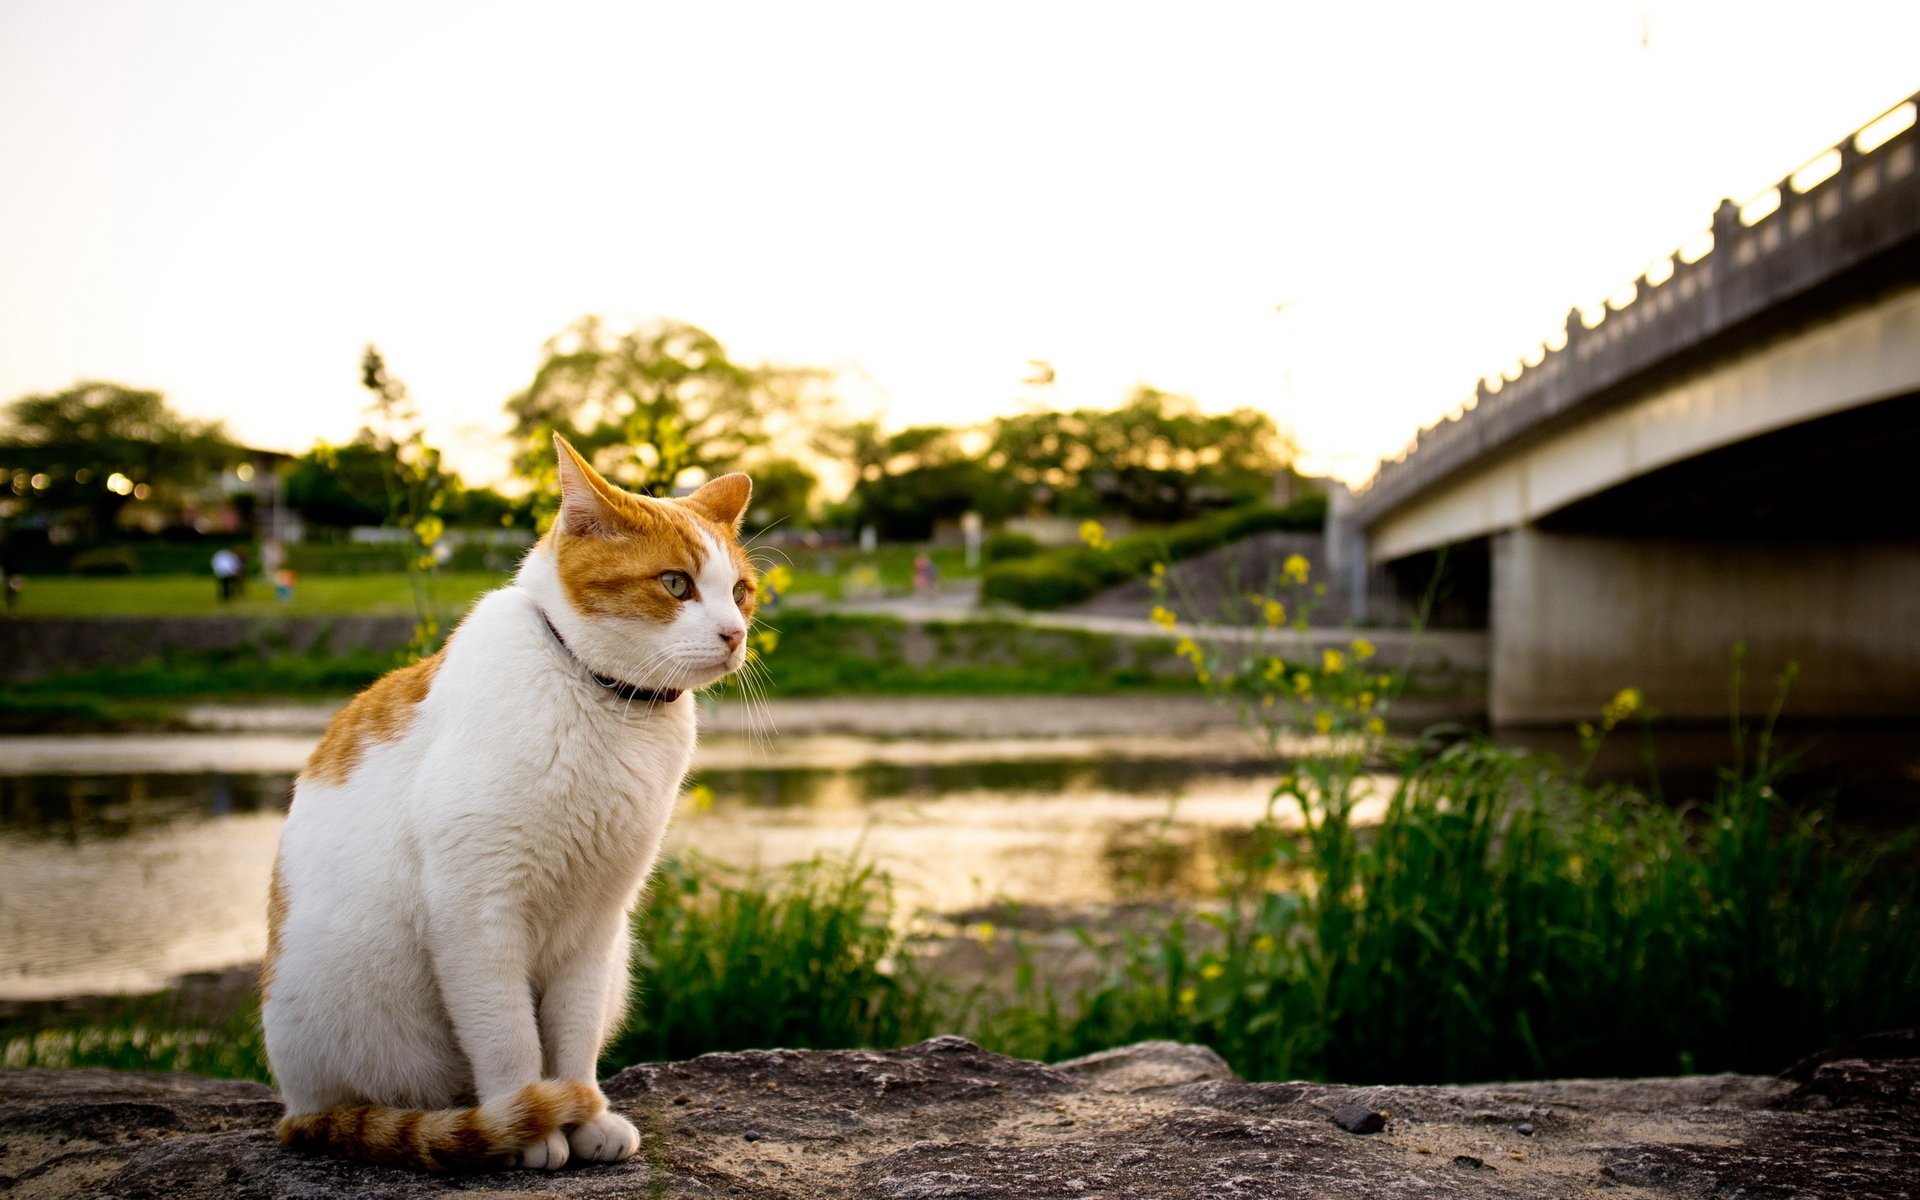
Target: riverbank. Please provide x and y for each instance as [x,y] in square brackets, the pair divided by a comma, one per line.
[946,1119]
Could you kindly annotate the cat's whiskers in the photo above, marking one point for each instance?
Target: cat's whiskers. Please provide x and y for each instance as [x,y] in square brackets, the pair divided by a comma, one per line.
[764,532]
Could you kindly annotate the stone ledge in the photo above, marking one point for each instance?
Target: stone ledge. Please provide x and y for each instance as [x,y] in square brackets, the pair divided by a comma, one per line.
[945,1120]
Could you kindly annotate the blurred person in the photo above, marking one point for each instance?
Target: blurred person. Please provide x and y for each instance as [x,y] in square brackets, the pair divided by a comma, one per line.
[226,573]
[10,579]
[283,581]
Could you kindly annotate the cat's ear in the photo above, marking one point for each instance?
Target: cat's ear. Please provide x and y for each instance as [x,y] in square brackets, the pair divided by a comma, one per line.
[586,499]
[723,500]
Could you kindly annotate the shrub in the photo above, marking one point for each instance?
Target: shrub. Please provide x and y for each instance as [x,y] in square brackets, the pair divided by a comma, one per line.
[107,560]
[1007,545]
[1071,574]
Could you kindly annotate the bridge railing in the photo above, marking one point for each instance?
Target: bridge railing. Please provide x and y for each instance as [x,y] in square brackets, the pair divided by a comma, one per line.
[1853,205]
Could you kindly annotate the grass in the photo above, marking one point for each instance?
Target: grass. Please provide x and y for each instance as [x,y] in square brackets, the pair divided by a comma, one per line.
[387,593]
[1501,920]
[837,574]
[819,654]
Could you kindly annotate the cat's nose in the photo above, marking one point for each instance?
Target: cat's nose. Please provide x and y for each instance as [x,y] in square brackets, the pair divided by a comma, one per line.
[733,637]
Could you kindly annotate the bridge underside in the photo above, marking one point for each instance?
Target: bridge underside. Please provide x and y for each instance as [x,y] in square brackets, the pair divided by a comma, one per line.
[1802,545]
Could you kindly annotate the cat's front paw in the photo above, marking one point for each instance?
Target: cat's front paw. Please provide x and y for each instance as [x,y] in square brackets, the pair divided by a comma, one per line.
[609,1137]
[547,1154]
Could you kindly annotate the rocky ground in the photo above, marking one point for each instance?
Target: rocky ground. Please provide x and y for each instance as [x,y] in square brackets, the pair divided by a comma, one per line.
[945,1120]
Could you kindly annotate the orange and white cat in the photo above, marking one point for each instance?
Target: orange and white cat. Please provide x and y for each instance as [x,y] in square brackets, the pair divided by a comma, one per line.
[448,920]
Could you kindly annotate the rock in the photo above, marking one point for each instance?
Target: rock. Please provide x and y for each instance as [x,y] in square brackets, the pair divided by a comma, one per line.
[947,1120]
[1147,1065]
[1358,1118]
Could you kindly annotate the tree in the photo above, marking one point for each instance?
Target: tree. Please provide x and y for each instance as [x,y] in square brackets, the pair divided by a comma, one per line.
[908,481]
[782,491]
[97,446]
[1156,458]
[650,405]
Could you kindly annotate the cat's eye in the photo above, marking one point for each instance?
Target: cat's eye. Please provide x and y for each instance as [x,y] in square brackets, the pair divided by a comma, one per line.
[679,584]
[740,592]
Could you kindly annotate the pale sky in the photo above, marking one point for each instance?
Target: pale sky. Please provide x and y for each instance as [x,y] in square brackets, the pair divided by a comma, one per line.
[227,201]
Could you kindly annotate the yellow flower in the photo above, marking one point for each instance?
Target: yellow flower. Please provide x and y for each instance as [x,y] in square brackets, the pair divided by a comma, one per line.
[765,641]
[1295,568]
[1623,705]
[1323,721]
[1265,943]
[983,933]
[1302,683]
[1586,731]
[776,582]
[1256,599]
[1275,669]
[700,796]
[1365,701]
[1212,970]
[1200,674]
[1383,681]
[1362,649]
[1332,662]
[1274,613]
[1187,648]
[1377,727]
[1187,997]
[1266,701]
[1159,570]
[428,529]
[1093,534]
[1163,617]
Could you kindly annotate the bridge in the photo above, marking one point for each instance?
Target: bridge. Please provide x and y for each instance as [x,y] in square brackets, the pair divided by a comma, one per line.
[1729,455]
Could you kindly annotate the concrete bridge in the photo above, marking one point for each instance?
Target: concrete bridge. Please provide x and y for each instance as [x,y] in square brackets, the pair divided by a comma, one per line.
[1730,455]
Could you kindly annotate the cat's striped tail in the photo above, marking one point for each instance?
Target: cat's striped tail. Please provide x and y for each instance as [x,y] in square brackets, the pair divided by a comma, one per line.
[447,1139]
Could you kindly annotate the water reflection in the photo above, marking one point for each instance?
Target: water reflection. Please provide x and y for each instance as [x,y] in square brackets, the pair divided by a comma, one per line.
[121,881]
[77,808]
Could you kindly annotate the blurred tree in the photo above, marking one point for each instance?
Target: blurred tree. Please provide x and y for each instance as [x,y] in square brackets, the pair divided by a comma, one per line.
[649,405]
[1156,458]
[340,486]
[908,481]
[97,445]
[782,491]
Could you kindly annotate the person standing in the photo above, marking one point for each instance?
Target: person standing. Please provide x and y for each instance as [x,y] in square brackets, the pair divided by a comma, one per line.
[10,580]
[226,573]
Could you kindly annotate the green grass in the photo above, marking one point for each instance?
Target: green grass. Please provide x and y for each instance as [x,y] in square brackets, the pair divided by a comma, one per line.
[831,654]
[1501,921]
[390,592]
[819,654]
[194,596]
[829,573]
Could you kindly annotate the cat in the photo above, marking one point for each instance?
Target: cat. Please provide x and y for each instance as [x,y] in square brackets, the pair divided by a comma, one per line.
[448,917]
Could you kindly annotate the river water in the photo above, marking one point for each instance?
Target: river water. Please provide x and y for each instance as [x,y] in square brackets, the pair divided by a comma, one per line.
[129,860]
[126,861]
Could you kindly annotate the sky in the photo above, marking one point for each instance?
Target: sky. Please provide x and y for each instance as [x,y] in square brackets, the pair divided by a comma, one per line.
[1342,214]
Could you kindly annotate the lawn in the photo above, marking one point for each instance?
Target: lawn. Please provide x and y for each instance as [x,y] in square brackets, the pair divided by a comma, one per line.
[193,595]
[831,573]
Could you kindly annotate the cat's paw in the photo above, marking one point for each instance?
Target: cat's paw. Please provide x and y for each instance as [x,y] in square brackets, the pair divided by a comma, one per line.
[609,1137]
[547,1154]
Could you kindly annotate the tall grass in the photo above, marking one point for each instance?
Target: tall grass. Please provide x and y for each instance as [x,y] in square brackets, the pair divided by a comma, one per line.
[1503,921]
[805,957]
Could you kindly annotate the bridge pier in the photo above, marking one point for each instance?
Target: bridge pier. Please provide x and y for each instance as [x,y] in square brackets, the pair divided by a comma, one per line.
[1577,617]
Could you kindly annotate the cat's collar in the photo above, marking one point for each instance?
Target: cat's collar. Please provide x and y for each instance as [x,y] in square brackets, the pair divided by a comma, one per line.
[626,691]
